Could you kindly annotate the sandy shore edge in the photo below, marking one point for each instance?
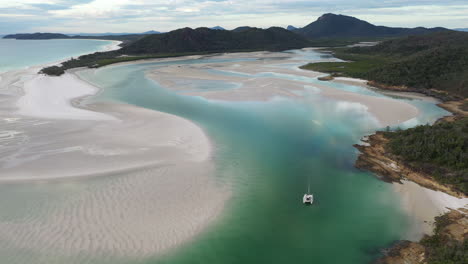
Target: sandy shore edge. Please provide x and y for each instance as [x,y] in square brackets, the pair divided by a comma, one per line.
[71,143]
[251,85]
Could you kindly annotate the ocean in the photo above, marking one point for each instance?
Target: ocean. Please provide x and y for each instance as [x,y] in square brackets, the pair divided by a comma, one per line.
[18,54]
[269,153]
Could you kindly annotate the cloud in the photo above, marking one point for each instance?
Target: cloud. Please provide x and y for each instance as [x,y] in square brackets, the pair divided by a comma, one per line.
[26,4]
[94,9]
[138,15]
[16,15]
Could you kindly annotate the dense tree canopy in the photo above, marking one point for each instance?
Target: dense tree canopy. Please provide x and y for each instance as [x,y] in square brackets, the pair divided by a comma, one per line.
[441,150]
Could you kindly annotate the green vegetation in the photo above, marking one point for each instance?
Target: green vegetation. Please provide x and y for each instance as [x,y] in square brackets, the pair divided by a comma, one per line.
[126,39]
[355,65]
[53,70]
[436,64]
[334,42]
[187,41]
[208,40]
[440,249]
[440,150]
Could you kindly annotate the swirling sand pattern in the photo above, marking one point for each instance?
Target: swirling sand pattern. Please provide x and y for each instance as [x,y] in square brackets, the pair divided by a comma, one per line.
[136,214]
[100,191]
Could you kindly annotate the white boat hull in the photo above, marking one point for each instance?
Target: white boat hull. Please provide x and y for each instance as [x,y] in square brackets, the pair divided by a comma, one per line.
[308,199]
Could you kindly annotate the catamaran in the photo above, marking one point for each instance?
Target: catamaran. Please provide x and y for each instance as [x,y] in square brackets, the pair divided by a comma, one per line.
[308,198]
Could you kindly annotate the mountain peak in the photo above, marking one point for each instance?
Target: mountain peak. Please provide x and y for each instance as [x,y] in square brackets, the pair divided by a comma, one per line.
[340,26]
[217,28]
[327,16]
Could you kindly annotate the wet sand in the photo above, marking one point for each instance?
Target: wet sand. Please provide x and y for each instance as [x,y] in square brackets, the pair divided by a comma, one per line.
[423,205]
[252,87]
[151,164]
[148,164]
[420,203]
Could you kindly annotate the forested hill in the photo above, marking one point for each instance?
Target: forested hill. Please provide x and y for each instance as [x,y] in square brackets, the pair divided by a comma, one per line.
[208,40]
[44,36]
[37,36]
[187,41]
[341,26]
[435,64]
[434,61]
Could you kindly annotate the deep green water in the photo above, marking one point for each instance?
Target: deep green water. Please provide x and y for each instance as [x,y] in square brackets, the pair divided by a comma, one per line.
[267,152]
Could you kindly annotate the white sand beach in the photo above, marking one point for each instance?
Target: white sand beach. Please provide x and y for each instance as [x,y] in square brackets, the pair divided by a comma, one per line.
[50,97]
[420,203]
[423,205]
[267,85]
[152,163]
[122,175]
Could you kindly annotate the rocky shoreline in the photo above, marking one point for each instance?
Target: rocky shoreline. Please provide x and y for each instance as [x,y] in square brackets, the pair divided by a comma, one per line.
[450,233]
[375,158]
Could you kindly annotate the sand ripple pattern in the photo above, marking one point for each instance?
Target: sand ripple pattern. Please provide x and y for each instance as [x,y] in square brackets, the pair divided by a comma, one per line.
[137,214]
[87,191]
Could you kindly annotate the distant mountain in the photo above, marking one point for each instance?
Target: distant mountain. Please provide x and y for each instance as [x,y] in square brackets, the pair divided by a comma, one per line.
[461,29]
[291,28]
[98,34]
[208,40]
[37,36]
[340,26]
[244,28]
[43,36]
[114,34]
[151,32]
[218,28]
[110,36]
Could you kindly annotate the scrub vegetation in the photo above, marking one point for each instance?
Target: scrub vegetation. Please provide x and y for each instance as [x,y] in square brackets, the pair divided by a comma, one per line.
[187,41]
[440,150]
[435,64]
[441,248]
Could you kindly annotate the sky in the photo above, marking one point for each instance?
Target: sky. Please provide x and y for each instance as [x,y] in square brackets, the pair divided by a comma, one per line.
[99,16]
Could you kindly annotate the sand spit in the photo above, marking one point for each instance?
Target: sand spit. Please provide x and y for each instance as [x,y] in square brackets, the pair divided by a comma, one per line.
[102,180]
[364,83]
[50,97]
[423,205]
[268,77]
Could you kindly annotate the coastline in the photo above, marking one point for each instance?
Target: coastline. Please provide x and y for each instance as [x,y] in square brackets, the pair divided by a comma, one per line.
[173,143]
[422,197]
[250,86]
[62,141]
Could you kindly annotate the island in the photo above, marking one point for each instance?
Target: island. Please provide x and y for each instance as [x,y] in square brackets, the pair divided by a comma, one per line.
[329,30]
[188,41]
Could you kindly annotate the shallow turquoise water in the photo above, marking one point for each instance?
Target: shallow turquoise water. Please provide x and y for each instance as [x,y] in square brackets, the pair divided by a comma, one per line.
[268,152]
[17,54]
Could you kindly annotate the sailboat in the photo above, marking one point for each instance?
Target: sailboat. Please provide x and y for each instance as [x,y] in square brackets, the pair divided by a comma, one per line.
[308,198]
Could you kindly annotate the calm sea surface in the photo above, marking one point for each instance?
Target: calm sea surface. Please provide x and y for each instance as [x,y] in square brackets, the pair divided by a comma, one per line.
[17,54]
[268,152]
